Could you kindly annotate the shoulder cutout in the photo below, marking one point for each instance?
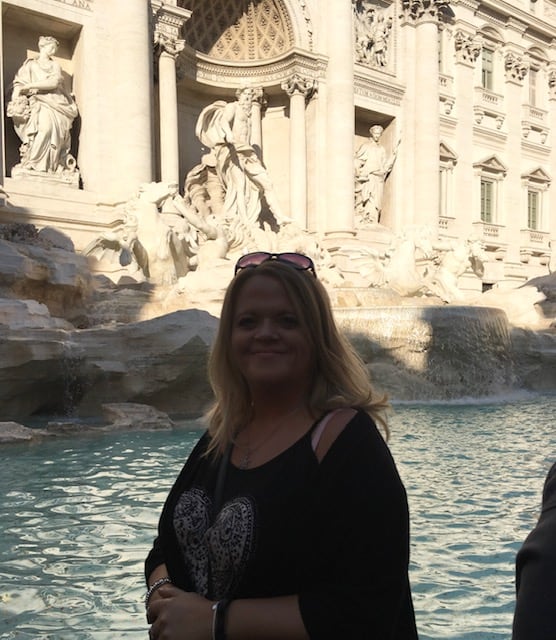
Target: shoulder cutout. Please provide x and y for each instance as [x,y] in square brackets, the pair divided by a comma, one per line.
[334,426]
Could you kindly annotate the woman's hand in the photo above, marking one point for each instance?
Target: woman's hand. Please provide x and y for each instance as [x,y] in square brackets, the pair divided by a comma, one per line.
[179,615]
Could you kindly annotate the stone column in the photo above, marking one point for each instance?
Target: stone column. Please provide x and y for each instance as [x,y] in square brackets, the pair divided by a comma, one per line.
[257,121]
[298,90]
[133,140]
[424,15]
[168,26]
[340,120]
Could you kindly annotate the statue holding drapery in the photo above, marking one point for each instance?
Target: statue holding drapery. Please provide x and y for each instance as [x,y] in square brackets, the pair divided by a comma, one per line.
[43,112]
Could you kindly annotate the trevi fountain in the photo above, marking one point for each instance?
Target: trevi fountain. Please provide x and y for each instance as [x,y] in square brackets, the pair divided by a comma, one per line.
[109,304]
[130,318]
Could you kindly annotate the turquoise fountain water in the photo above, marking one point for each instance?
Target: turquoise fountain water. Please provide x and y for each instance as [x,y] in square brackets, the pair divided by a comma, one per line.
[78,516]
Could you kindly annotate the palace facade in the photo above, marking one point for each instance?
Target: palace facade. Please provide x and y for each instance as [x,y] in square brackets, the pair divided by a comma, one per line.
[464,92]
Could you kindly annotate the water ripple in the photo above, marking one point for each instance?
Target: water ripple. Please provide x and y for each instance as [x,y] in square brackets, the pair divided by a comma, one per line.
[79,516]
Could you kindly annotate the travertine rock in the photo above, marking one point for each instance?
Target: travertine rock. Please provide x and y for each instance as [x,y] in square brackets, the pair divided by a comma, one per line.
[14,432]
[159,362]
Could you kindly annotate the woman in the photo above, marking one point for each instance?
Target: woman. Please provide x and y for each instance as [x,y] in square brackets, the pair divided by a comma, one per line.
[289,519]
[43,112]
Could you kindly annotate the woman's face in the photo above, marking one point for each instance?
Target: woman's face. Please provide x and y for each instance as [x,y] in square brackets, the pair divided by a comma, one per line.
[268,344]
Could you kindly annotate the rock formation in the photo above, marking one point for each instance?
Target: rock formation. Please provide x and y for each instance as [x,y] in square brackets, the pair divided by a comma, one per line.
[72,343]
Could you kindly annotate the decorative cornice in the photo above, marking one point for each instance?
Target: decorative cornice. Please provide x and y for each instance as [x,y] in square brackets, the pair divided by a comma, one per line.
[208,71]
[380,90]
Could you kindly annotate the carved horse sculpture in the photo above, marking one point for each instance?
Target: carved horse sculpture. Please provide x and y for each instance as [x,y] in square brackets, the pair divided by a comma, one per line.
[454,260]
[399,267]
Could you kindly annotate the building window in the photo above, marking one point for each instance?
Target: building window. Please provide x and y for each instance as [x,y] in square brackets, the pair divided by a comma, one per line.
[487,68]
[536,185]
[487,200]
[533,201]
[489,193]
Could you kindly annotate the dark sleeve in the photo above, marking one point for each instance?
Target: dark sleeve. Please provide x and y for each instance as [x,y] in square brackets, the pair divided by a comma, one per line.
[535,612]
[360,550]
[165,549]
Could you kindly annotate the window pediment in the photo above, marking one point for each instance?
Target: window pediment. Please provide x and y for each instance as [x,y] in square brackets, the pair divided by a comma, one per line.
[538,176]
[447,154]
[492,164]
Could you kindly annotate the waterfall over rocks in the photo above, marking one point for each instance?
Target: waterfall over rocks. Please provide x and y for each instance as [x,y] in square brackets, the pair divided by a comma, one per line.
[433,352]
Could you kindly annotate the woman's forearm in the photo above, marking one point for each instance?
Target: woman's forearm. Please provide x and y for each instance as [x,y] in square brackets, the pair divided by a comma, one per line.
[157,573]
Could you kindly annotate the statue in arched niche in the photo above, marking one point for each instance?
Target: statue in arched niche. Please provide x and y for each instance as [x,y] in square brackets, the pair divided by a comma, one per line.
[372,166]
[43,113]
[225,128]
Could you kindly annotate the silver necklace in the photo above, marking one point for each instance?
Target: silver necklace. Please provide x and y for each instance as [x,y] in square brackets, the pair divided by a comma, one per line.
[249,450]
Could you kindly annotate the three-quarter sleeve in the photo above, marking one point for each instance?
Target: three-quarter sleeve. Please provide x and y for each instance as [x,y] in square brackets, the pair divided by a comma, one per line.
[535,612]
[359,554]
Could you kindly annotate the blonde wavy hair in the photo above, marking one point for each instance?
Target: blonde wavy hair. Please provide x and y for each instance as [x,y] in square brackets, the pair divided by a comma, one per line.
[340,377]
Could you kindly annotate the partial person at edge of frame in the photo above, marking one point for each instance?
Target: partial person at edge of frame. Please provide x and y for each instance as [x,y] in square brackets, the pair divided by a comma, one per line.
[535,610]
[289,519]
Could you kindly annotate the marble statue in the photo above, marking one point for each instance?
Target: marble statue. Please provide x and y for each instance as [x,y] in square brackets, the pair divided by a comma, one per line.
[43,112]
[372,167]
[153,243]
[452,261]
[225,128]
[372,35]
[400,267]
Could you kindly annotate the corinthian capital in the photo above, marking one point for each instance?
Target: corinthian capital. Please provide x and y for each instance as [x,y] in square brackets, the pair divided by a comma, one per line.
[468,47]
[516,67]
[418,10]
[300,85]
[168,22]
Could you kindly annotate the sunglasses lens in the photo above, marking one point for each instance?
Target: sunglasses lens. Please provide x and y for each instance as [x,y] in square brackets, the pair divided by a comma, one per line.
[252,260]
[298,260]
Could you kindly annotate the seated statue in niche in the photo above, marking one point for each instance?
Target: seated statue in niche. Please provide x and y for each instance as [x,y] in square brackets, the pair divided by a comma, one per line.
[225,128]
[372,166]
[43,113]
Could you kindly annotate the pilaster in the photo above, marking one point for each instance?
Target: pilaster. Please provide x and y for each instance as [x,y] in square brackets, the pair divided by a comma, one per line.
[468,47]
[299,89]
[551,228]
[515,67]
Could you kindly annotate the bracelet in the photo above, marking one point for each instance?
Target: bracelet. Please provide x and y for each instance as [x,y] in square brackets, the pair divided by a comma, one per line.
[219,611]
[154,586]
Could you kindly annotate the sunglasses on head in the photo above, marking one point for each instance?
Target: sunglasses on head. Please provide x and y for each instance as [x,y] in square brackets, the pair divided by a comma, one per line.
[296,260]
